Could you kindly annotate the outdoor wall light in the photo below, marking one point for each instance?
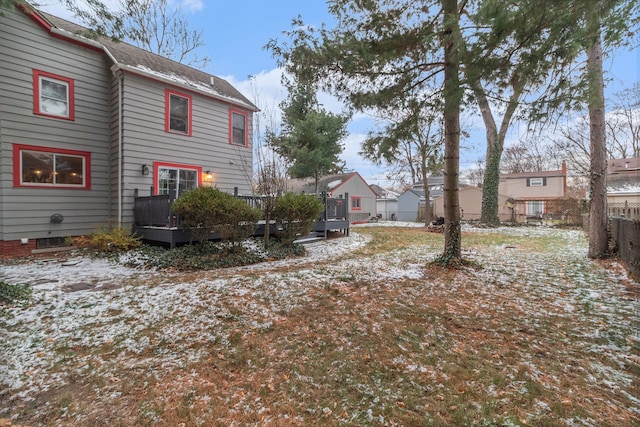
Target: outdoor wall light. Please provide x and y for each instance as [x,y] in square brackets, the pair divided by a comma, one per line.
[145,170]
[56,218]
[208,176]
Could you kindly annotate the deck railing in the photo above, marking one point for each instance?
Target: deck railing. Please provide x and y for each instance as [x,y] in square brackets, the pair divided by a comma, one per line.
[155,211]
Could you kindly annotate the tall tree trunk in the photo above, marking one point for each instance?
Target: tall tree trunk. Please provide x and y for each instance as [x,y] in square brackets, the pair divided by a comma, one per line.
[495,146]
[452,99]
[491,180]
[598,234]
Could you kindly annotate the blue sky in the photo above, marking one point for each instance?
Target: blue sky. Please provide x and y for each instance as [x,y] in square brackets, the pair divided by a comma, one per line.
[235,34]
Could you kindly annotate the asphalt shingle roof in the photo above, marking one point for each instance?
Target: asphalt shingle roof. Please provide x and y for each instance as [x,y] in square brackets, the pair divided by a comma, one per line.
[137,59]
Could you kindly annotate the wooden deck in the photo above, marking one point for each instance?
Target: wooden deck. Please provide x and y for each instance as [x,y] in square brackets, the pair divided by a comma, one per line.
[155,222]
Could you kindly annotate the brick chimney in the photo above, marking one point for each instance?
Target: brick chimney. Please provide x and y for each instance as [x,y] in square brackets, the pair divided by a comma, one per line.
[564,178]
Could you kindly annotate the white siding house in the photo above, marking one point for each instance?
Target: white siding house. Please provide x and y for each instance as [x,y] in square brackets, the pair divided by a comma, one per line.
[351,186]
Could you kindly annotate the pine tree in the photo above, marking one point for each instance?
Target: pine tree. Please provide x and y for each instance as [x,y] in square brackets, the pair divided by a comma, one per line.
[311,136]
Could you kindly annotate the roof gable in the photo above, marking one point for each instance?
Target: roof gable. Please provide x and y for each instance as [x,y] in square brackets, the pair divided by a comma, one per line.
[133,59]
[623,166]
[540,174]
[328,183]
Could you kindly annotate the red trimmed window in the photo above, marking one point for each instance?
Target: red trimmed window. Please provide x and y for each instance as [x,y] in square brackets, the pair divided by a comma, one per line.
[178,112]
[356,203]
[238,127]
[53,95]
[174,179]
[50,167]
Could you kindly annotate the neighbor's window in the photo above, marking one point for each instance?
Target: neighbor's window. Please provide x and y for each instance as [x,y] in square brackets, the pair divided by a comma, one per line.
[174,179]
[535,207]
[356,203]
[536,182]
[50,167]
[52,95]
[238,124]
[178,112]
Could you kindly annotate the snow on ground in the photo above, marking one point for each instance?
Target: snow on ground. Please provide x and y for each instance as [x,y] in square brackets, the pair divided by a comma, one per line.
[93,303]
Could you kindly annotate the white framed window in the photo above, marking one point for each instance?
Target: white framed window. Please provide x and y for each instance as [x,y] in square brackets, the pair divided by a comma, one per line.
[53,95]
[175,179]
[536,182]
[238,127]
[50,167]
[178,109]
[535,207]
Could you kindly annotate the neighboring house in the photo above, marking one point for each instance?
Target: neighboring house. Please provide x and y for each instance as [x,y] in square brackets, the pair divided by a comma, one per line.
[470,199]
[349,186]
[435,184]
[85,125]
[535,194]
[413,204]
[623,187]
[386,203]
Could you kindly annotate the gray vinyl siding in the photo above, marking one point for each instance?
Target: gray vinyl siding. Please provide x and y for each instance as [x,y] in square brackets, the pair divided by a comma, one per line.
[145,140]
[25,212]
[408,203]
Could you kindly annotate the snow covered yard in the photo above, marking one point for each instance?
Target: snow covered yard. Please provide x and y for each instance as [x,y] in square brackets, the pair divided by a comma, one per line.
[361,331]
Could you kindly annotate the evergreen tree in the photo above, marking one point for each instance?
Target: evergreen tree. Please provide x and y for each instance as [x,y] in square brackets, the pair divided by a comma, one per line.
[311,137]
[387,56]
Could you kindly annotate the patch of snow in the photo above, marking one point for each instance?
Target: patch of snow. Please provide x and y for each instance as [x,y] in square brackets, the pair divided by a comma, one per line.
[334,184]
[84,303]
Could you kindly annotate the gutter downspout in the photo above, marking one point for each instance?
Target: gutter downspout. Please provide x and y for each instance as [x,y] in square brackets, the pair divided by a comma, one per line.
[119,77]
[118,74]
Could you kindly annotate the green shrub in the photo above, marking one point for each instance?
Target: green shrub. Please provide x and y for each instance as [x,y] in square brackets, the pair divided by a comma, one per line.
[207,255]
[113,240]
[207,210]
[11,293]
[296,213]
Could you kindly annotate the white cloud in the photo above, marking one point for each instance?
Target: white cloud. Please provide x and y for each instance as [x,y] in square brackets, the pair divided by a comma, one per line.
[192,5]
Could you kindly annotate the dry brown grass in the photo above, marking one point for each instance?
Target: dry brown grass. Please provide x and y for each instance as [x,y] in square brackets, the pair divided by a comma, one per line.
[476,346]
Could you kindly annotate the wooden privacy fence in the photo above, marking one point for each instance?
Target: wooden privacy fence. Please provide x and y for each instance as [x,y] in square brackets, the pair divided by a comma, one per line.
[625,239]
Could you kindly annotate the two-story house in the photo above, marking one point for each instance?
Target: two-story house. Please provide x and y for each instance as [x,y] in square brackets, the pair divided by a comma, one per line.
[86,124]
[535,194]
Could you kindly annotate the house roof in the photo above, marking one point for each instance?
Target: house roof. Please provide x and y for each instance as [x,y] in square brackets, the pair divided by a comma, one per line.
[623,166]
[383,193]
[540,174]
[380,192]
[129,58]
[328,183]
[418,193]
[623,176]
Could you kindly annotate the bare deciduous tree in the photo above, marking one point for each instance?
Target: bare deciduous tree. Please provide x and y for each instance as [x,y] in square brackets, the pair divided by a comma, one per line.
[623,124]
[529,155]
[270,179]
[158,26]
[475,175]
[622,134]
